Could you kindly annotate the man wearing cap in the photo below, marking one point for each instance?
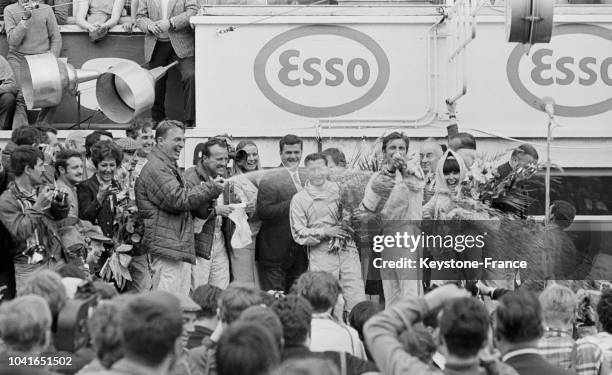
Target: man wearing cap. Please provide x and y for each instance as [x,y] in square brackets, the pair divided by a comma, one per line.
[522,156]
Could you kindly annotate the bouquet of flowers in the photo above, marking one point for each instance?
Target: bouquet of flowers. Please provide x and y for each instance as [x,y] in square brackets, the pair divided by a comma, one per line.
[128,234]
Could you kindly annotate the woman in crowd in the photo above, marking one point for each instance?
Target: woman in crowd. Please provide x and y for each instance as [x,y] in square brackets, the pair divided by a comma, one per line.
[449,174]
[98,16]
[100,194]
[245,186]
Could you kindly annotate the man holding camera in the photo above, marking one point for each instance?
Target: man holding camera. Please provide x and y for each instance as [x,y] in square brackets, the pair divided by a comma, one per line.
[31,29]
[25,212]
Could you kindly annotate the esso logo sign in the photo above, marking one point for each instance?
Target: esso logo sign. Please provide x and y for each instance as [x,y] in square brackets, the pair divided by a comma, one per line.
[575,69]
[321,71]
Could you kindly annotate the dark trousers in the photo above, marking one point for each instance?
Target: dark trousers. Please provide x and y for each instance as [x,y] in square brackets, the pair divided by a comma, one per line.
[7,110]
[282,276]
[163,54]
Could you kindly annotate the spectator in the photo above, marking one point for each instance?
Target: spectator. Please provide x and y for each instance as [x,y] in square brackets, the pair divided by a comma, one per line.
[25,212]
[124,173]
[245,186]
[207,297]
[169,37]
[309,366]
[359,315]
[90,140]
[265,317]
[522,156]
[465,145]
[234,300]
[48,134]
[165,204]
[282,260]
[98,16]
[401,182]
[12,112]
[604,338]
[336,160]
[463,332]
[76,141]
[247,349]
[316,220]
[213,228]
[430,154]
[518,328]
[562,214]
[25,327]
[557,345]
[100,195]
[69,171]
[62,10]
[104,325]
[295,314]
[322,290]
[141,131]
[48,285]
[24,136]
[151,326]
[30,33]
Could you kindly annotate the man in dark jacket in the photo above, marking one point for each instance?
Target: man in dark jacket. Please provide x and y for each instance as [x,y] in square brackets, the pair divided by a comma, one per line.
[522,156]
[165,204]
[212,226]
[282,260]
[25,212]
[518,328]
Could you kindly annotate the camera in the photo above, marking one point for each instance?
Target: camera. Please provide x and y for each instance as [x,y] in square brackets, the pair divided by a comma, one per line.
[59,205]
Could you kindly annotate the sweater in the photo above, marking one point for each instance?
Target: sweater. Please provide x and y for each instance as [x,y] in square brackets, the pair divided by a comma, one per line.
[39,34]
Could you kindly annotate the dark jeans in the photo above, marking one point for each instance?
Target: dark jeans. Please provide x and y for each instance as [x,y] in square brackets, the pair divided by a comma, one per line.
[163,54]
[7,110]
[282,276]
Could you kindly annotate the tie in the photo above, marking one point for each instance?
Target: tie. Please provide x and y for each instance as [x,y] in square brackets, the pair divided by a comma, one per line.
[296,180]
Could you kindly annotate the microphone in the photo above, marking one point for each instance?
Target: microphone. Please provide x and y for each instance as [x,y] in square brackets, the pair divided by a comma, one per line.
[547,104]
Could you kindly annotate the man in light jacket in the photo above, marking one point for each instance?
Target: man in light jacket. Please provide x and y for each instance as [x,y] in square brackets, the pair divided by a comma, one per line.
[315,223]
[165,204]
[169,37]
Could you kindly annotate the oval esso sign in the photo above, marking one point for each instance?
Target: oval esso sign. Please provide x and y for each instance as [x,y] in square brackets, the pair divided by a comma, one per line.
[575,69]
[321,70]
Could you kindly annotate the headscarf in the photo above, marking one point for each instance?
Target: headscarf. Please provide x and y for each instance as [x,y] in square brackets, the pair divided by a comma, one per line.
[441,185]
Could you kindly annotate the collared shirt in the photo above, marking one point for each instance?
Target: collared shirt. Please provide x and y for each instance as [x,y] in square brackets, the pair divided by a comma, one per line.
[604,341]
[328,335]
[515,353]
[560,349]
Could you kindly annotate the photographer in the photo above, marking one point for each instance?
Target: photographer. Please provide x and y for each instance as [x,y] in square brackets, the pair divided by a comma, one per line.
[25,212]
[462,337]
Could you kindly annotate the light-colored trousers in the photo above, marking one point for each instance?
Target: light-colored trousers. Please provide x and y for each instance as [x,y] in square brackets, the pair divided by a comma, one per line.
[214,271]
[244,268]
[345,266]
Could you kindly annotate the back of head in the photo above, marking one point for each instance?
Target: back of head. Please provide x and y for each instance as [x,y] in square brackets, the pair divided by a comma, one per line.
[518,317]
[360,314]
[309,366]
[295,314]
[558,304]
[246,349]
[25,323]
[563,213]
[26,136]
[48,285]
[235,299]
[104,326]
[464,325]
[94,138]
[266,318]
[207,297]
[150,324]
[320,288]
[604,310]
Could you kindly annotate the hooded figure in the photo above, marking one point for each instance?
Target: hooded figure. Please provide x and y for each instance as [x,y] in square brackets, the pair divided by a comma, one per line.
[442,200]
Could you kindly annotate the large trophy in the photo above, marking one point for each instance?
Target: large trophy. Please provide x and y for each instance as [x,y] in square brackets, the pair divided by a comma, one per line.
[123,90]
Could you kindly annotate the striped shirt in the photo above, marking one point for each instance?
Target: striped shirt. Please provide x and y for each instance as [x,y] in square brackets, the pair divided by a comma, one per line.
[560,349]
